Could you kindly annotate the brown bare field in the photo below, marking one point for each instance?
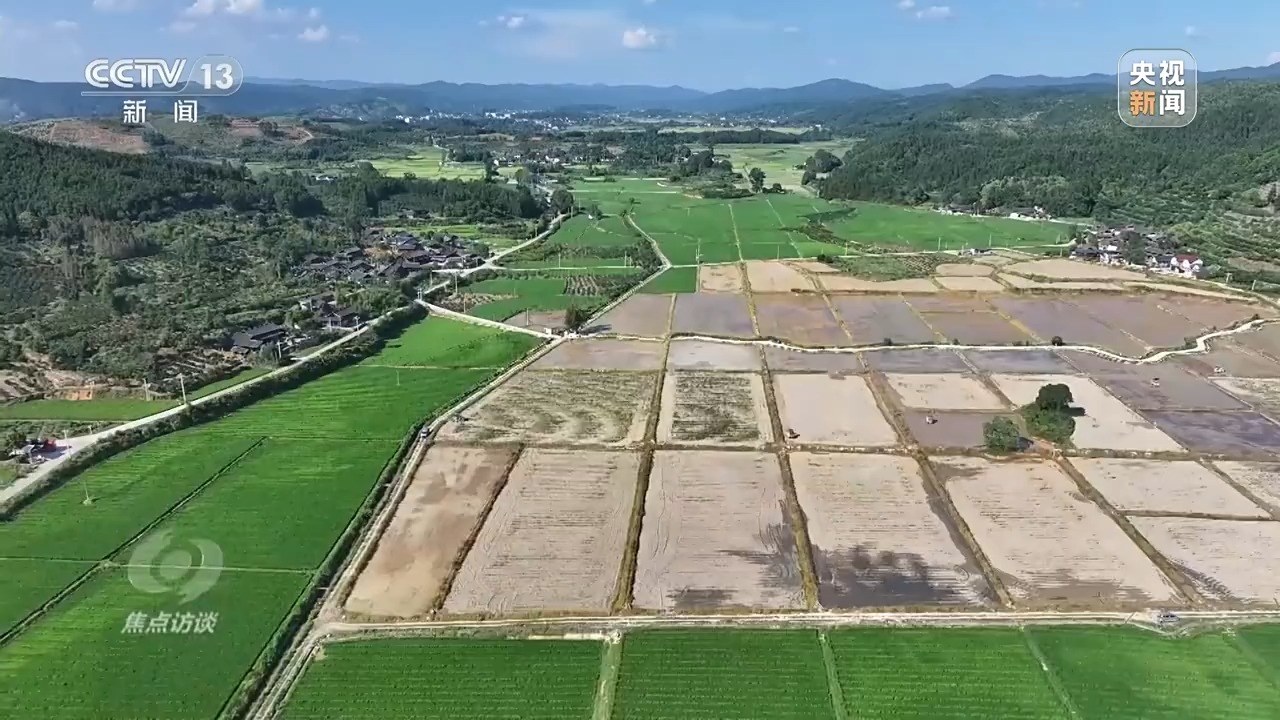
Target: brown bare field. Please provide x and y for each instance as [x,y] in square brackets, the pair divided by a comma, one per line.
[1139,316]
[686,354]
[717,314]
[1048,543]
[1062,269]
[953,429]
[1262,479]
[1107,423]
[838,283]
[916,360]
[948,304]
[1183,290]
[1018,361]
[1229,560]
[877,537]
[767,276]
[602,354]
[870,320]
[975,328]
[560,406]
[943,391]
[963,270]
[439,511]
[796,361]
[714,408]
[89,134]
[826,410]
[804,320]
[543,321]
[720,278]
[1241,433]
[1049,318]
[716,534]
[970,284]
[640,315]
[1180,486]
[1265,339]
[1174,388]
[554,538]
[1234,360]
[811,266]
[1206,313]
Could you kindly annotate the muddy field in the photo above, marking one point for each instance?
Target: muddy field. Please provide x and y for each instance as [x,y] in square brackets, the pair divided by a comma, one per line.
[1206,313]
[1265,340]
[776,277]
[953,430]
[602,354]
[877,537]
[1058,318]
[712,408]
[713,314]
[560,406]
[1233,359]
[1140,316]
[1048,543]
[970,284]
[975,328]
[1246,433]
[1230,560]
[720,278]
[871,320]
[1261,479]
[1018,361]
[716,534]
[1106,424]
[948,304]
[1063,269]
[943,391]
[1163,387]
[544,321]
[1025,283]
[440,510]
[1180,486]
[1261,393]
[554,539]
[688,354]
[804,320]
[963,270]
[923,360]
[825,410]
[794,361]
[844,283]
[640,315]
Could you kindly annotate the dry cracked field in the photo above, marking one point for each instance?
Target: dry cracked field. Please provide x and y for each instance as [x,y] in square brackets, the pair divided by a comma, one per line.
[692,475]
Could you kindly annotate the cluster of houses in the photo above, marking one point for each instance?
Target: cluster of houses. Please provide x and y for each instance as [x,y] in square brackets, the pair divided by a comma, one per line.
[1158,251]
[1021,213]
[407,255]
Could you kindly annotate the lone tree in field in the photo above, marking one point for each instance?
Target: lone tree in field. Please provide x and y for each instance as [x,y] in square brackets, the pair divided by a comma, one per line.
[1057,340]
[757,180]
[1054,397]
[1002,436]
[1051,416]
[575,317]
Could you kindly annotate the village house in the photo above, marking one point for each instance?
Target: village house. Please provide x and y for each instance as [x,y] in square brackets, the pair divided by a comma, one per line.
[1189,265]
[338,317]
[316,303]
[254,340]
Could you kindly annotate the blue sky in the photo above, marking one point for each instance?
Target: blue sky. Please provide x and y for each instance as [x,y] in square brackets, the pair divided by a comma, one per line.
[705,44]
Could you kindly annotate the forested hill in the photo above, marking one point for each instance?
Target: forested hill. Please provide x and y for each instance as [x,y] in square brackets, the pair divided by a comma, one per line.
[47,180]
[1213,182]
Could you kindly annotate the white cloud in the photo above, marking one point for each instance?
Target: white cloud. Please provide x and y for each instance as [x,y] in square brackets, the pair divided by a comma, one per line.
[832,62]
[566,34]
[906,4]
[649,2]
[244,7]
[791,29]
[181,26]
[638,39]
[201,8]
[314,13]
[1273,58]
[314,34]
[934,12]
[510,22]
[114,5]
[66,25]
[1193,32]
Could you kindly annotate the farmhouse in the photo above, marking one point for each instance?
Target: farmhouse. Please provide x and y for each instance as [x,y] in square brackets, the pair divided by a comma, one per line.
[257,339]
[317,302]
[338,317]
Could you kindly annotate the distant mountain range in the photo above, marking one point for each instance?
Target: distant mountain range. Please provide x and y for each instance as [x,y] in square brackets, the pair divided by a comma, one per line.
[22,100]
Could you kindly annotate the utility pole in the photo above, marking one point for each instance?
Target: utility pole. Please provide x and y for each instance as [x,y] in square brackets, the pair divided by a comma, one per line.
[182,383]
